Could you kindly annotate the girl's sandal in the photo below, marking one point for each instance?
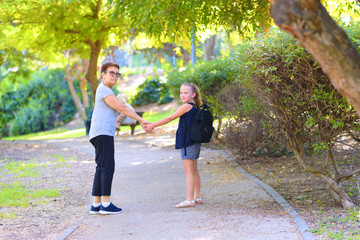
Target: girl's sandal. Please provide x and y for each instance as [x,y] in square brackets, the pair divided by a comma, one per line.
[199,201]
[185,204]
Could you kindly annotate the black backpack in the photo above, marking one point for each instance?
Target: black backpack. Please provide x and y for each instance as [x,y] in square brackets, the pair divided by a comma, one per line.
[202,128]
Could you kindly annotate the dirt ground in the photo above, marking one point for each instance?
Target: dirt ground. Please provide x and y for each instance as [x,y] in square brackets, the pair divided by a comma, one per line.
[308,194]
[62,169]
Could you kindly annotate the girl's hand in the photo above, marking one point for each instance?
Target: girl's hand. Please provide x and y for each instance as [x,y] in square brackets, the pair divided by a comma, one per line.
[144,125]
[150,127]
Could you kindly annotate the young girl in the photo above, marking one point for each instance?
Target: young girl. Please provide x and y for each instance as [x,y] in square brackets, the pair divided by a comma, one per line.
[190,151]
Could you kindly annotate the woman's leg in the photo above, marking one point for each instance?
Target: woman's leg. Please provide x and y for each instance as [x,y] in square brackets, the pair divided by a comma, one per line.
[197,187]
[96,189]
[105,165]
[190,180]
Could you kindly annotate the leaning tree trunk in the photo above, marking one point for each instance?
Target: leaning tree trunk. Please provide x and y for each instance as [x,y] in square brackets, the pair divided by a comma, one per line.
[309,22]
[70,79]
[337,192]
[92,69]
[333,181]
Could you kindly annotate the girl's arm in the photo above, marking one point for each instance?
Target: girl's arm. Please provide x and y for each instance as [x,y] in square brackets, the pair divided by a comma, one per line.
[178,113]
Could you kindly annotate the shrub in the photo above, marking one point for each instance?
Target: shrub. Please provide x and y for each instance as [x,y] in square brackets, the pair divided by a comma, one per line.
[248,131]
[152,90]
[211,77]
[40,105]
[297,95]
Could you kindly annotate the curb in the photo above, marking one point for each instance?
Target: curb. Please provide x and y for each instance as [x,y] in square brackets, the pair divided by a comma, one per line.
[301,224]
[67,232]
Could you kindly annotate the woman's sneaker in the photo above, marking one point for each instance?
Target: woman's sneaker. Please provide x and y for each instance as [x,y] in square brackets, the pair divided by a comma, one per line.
[111,209]
[94,210]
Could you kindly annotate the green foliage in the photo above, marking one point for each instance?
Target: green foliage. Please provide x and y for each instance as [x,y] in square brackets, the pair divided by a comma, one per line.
[211,77]
[152,90]
[37,106]
[175,18]
[60,25]
[294,89]
[353,33]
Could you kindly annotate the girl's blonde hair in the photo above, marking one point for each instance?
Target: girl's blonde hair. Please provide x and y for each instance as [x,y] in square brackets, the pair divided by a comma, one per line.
[196,90]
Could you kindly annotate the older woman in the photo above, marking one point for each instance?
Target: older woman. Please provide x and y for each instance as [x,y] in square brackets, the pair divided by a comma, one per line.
[102,133]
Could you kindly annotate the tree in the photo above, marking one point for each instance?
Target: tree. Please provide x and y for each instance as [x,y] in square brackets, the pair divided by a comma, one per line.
[48,27]
[174,18]
[313,116]
[309,22]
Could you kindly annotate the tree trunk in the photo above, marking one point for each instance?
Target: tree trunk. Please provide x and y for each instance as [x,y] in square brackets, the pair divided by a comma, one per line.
[76,99]
[209,48]
[309,22]
[92,69]
[70,78]
[337,192]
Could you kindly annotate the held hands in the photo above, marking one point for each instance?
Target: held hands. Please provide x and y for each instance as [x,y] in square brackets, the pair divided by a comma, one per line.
[150,127]
[144,125]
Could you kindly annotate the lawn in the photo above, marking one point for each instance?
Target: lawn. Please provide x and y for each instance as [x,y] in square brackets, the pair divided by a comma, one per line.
[61,133]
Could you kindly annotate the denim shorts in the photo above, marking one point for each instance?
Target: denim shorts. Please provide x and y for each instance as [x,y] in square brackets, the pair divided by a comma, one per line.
[192,152]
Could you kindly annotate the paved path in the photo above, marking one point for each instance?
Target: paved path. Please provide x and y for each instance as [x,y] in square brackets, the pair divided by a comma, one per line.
[149,181]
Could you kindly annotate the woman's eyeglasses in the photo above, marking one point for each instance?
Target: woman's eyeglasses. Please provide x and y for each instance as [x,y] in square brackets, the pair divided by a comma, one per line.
[113,74]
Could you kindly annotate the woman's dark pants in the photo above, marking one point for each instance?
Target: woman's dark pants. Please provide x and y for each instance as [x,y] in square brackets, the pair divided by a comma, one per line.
[105,165]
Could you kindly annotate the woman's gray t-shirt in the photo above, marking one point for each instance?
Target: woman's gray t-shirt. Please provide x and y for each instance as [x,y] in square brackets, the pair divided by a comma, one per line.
[103,121]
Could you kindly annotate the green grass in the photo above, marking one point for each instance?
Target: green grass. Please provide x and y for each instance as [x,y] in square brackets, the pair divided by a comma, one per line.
[154,117]
[21,169]
[51,134]
[17,195]
[9,215]
[339,227]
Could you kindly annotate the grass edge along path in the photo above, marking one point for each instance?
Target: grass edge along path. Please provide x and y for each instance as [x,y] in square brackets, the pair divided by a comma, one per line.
[61,133]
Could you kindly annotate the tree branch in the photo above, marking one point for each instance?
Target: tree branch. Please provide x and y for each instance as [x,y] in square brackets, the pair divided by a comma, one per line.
[331,156]
[345,176]
[309,22]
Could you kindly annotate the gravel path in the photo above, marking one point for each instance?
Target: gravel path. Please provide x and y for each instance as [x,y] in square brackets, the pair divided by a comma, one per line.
[149,181]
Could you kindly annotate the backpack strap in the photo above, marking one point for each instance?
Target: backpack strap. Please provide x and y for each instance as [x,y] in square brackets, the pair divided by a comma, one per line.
[185,128]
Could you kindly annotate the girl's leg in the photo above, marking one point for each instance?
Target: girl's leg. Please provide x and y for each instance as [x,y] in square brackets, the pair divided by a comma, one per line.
[197,187]
[190,180]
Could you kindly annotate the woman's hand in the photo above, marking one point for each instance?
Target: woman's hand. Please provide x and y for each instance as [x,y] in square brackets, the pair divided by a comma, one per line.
[150,127]
[144,125]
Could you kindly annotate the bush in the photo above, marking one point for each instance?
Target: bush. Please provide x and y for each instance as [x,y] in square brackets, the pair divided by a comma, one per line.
[152,90]
[296,95]
[211,77]
[37,106]
[248,131]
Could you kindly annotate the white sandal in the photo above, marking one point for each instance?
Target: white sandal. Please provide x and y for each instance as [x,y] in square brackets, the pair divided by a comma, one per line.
[199,201]
[185,204]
